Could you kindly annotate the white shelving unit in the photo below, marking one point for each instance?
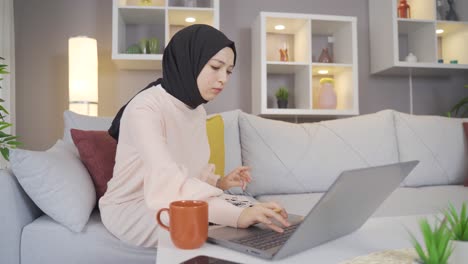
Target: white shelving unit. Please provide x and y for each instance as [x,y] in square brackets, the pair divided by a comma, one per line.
[393,38]
[305,35]
[132,21]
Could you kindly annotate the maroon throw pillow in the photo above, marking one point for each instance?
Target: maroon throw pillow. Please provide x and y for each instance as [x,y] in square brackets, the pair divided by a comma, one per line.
[97,152]
[465,128]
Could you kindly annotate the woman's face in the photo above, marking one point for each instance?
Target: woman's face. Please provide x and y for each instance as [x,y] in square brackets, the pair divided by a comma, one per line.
[215,74]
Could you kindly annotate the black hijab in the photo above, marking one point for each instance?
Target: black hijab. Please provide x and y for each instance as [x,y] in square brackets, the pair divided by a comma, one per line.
[184,58]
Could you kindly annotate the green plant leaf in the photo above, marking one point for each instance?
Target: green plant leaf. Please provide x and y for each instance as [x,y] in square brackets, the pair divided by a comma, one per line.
[5,153]
[14,143]
[8,138]
[3,109]
[3,126]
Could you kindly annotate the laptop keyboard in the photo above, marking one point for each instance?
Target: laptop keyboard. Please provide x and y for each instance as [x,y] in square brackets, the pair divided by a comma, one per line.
[267,238]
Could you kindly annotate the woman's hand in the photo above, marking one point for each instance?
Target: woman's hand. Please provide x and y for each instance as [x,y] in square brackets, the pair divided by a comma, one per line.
[239,177]
[263,213]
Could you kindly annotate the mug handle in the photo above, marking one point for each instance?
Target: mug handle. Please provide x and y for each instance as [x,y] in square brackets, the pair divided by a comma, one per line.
[158,218]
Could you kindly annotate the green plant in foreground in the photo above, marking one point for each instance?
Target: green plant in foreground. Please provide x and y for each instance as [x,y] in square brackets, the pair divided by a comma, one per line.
[282,93]
[456,109]
[3,69]
[7,141]
[437,240]
[457,223]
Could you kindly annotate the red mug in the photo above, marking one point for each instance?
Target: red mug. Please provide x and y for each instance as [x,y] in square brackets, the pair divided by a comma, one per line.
[188,223]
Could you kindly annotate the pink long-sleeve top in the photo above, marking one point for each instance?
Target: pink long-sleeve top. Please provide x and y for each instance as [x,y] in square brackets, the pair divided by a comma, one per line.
[162,156]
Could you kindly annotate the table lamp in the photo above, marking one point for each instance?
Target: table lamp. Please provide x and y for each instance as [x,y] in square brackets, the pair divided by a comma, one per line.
[83,74]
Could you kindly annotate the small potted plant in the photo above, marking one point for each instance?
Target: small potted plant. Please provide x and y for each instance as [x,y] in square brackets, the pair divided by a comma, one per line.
[282,97]
[458,225]
[437,241]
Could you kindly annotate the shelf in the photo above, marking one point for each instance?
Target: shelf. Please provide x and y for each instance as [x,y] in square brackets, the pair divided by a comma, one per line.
[142,15]
[420,9]
[154,3]
[294,38]
[417,38]
[332,35]
[132,22]
[196,4]
[285,67]
[452,42]
[293,77]
[302,34]
[138,61]
[393,38]
[177,16]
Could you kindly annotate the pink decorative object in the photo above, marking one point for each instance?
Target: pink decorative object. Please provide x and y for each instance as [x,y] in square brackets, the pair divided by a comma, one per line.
[327,95]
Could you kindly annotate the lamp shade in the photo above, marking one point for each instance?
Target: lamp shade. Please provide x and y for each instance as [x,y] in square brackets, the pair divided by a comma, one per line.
[83,75]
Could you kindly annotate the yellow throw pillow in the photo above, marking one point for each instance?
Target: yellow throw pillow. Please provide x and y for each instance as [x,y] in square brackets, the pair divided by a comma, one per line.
[215,131]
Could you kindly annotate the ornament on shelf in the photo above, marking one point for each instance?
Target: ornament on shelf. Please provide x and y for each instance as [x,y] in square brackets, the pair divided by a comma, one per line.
[404,9]
[440,9]
[411,58]
[325,56]
[327,95]
[146,2]
[451,14]
[190,3]
[284,56]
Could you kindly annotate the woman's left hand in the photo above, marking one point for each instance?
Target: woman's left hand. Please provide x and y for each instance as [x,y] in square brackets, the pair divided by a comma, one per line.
[239,177]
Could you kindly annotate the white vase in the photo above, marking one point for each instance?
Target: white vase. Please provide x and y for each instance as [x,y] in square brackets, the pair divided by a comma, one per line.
[460,252]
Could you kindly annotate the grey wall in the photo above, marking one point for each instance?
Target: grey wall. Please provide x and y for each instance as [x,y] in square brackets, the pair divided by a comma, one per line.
[43,28]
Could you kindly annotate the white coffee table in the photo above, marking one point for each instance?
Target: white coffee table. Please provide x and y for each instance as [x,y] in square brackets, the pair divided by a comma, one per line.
[377,234]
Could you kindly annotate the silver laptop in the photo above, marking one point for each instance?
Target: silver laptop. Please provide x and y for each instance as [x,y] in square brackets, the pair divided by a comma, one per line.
[348,203]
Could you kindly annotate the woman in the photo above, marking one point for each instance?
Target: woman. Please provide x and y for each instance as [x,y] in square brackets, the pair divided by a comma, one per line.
[163,152]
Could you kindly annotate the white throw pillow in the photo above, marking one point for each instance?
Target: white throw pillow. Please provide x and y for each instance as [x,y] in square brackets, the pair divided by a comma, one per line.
[58,183]
[83,122]
[301,158]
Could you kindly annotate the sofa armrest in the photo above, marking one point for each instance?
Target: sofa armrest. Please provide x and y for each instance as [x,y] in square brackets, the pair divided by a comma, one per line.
[17,210]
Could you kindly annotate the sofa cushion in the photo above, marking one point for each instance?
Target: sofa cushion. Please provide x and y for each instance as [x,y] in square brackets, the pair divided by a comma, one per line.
[83,122]
[438,143]
[45,241]
[231,140]
[403,201]
[58,183]
[215,132]
[97,152]
[301,158]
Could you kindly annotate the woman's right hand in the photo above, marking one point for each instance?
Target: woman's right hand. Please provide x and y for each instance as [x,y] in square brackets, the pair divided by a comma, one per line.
[263,213]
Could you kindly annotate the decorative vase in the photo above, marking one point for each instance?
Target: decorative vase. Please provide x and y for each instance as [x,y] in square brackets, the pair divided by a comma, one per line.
[327,96]
[411,58]
[284,55]
[190,3]
[146,2]
[325,56]
[153,45]
[282,103]
[460,252]
[404,10]
[451,14]
[144,45]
